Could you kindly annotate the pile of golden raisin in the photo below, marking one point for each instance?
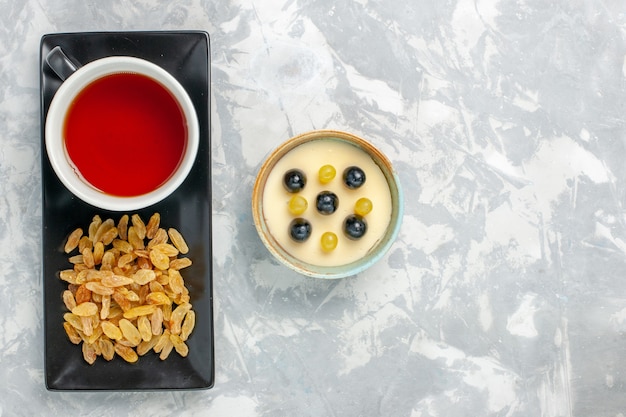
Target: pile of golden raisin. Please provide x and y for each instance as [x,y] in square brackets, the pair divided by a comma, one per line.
[126,294]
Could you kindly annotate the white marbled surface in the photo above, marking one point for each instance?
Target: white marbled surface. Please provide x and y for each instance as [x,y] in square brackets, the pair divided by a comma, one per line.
[505,294]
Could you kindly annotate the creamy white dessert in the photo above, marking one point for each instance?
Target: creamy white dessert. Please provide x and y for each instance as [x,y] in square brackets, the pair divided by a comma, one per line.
[309,157]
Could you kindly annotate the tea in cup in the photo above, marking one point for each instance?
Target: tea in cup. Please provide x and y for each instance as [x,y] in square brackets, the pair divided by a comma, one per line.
[121,133]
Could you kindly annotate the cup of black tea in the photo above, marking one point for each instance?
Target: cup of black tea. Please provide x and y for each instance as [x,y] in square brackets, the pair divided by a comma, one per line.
[121,132]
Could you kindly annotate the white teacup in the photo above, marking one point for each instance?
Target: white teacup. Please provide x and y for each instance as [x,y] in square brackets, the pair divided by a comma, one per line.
[159,170]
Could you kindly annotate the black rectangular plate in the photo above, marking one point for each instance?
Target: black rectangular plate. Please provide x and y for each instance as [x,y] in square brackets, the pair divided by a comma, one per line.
[186,56]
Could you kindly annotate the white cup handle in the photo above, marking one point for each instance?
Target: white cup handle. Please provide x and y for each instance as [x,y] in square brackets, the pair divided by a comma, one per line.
[62,65]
